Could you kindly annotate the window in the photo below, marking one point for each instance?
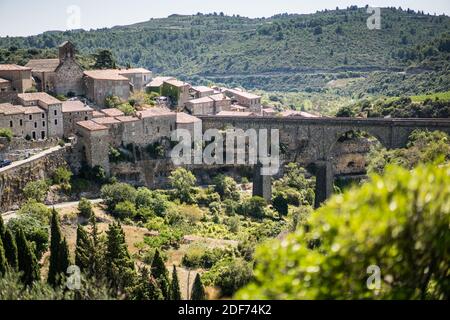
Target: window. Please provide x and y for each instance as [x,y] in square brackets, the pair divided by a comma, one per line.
[11,124]
[43,123]
[56,113]
[86,118]
[34,135]
[42,134]
[35,124]
[56,122]
[30,117]
[157,129]
[43,116]
[21,122]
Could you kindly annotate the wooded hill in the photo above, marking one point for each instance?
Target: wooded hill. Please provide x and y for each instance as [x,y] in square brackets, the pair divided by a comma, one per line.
[288,52]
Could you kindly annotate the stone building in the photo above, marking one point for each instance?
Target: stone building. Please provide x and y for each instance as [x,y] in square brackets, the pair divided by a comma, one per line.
[209,105]
[38,116]
[114,82]
[138,77]
[103,83]
[14,79]
[156,84]
[60,76]
[177,91]
[187,122]
[52,108]
[201,91]
[96,136]
[73,112]
[246,99]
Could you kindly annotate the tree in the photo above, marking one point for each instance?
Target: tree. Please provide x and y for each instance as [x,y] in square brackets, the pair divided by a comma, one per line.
[62,177]
[27,261]
[280,203]
[254,207]
[160,274]
[175,293]
[104,59]
[83,250]
[36,210]
[346,112]
[146,287]
[59,258]
[3,261]
[124,210]
[36,232]
[36,190]
[402,230]
[183,181]
[226,187]
[9,244]
[198,291]
[6,133]
[119,265]
[117,192]
[85,208]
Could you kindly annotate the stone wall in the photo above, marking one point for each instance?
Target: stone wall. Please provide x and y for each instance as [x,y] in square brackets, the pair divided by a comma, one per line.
[14,180]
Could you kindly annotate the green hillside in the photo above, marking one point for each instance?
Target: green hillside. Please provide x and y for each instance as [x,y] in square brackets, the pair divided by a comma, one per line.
[281,53]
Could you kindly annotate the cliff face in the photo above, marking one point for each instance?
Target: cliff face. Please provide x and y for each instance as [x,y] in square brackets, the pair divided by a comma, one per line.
[13,181]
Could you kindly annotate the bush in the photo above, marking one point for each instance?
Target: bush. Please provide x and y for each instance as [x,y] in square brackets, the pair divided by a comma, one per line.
[35,230]
[397,222]
[229,275]
[226,187]
[253,207]
[183,183]
[112,194]
[125,210]
[85,208]
[62,177]
[153,200]
[6,133]
[200,257]
[36,210]
[36,190]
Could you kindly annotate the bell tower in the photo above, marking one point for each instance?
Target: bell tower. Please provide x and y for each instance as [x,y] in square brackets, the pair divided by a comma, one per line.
[66,51]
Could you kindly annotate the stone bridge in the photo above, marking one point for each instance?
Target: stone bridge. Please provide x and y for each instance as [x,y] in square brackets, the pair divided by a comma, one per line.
[310,141]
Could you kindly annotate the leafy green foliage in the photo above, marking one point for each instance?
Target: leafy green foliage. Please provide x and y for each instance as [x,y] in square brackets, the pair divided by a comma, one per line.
[398,222]
[423,147]
[161,275]
[62,177]
[116,193]
[104,59]
[226,187]
[183,183]
[6,133]
[36,190]
[27,261]
[85,208]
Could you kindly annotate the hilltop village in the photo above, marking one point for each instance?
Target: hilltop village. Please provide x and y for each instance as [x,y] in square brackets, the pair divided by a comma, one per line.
[30,108]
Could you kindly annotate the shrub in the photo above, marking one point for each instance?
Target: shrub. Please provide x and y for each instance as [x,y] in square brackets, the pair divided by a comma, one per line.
[125,210]
[153,200]
[118,192]
[85,208]
[397,222]
[62,177]
[36,210]
[254,207]
[6,133]
[229,275]
[183,183]
[226,187]
[36,190]
[36,231]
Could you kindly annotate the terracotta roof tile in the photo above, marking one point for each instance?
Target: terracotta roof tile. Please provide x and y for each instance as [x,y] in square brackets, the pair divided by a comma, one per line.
[12,67]
[108,74]
[112,112]
[38,96]
[75,106]
[43,65]
[186,118]
[91,125]
[106,120]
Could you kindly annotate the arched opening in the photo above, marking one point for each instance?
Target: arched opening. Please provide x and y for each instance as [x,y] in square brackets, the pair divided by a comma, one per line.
[350,156]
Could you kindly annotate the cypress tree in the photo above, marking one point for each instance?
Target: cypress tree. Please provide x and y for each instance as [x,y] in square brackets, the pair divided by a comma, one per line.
[27,261]
[59,258]
[198,291]
[3,261]
[97,267]
[9,244]
[160,274]
[175,293]
[119,265]
[83,251]
[146,288]
[2,227]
